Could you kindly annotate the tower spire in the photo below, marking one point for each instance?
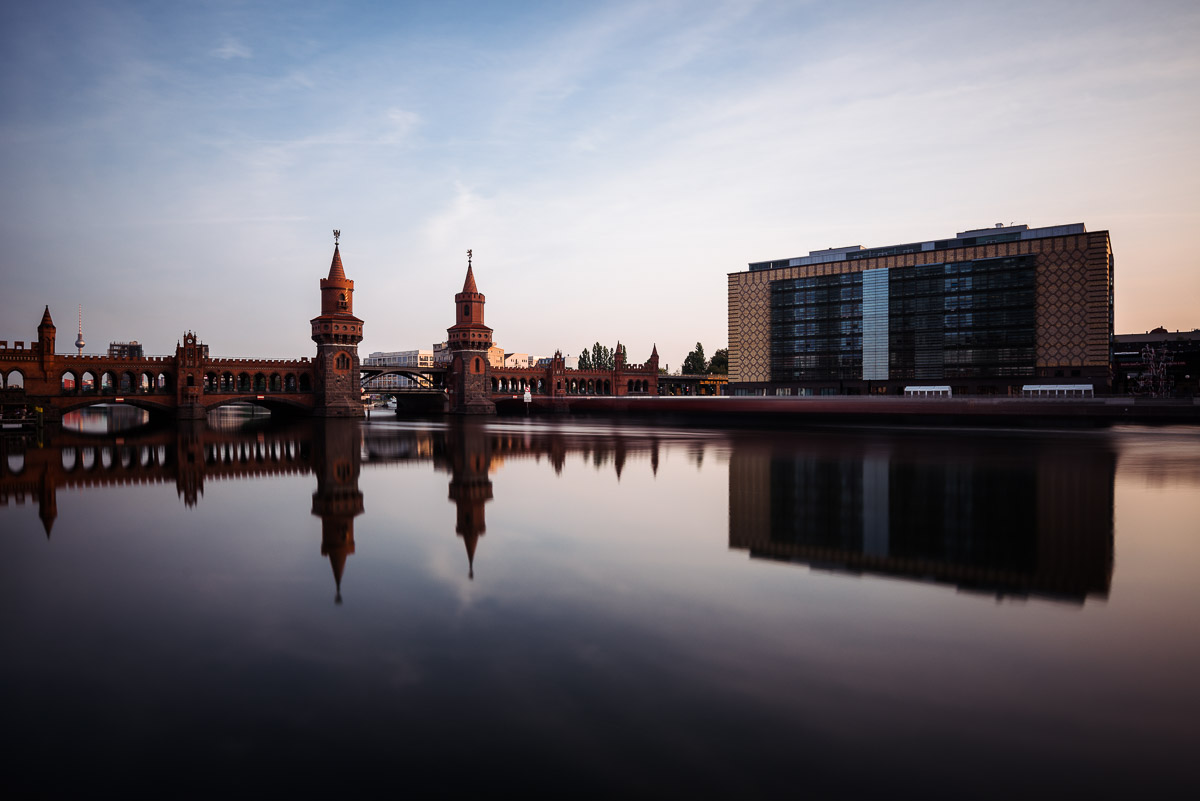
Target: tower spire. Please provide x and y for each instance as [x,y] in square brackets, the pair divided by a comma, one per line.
[79,343]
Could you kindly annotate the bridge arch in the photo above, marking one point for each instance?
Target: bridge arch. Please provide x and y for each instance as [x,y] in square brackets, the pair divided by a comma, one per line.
[14,380]
[68,381]
[87,382]
[272,403]
[163,382]
[108,382]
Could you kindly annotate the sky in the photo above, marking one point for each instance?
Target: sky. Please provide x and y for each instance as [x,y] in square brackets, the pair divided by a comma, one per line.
[178,167]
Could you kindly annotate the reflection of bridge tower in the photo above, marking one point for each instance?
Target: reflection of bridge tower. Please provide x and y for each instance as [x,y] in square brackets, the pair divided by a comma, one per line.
[337,333]
[469,340]
[337,460]
[470,488]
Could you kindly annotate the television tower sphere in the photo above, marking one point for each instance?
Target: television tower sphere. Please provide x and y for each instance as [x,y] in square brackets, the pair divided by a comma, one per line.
[79,343]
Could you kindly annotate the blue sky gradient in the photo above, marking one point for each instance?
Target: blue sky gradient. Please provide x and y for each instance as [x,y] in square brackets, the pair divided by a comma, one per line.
[181,166]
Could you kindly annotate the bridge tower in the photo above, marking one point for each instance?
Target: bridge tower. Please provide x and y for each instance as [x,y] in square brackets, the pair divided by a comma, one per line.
[469,340]
[46,333]
[337,333]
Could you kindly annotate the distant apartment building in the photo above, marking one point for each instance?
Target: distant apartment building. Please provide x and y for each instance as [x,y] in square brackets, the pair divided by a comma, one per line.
[983,313]
[518,360]
[496,357]
[126,350]
[570,362]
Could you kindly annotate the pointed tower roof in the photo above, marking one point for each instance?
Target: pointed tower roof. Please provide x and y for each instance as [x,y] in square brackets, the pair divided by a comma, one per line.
[335,267]
[47,321]
[469,284]
[337,560]
[471,540]
[654,352]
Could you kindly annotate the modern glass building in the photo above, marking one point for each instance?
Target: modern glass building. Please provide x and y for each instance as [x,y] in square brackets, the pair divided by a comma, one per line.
[983,313]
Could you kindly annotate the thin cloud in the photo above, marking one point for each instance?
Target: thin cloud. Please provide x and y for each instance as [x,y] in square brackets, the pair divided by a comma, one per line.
[231,48]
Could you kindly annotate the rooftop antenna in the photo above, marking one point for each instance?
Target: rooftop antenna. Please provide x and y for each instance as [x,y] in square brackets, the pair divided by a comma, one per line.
[79,343]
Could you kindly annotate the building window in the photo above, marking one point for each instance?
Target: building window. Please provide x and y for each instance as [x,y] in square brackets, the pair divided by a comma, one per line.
[342,362]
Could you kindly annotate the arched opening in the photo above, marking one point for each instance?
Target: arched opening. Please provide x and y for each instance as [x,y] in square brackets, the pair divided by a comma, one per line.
[228,383]
[163,382]
[145,383]
[87,382]
[243,382]
[126,385]
[495,384]
[467,311]
[276,384]
[289,382]
[108,383]
[305,382]
[16,463]
[342,362]
[607,387]
[629,385]
[478,365]
[68,381]
[260,382]
[15,380]
[342,304]
[69,459]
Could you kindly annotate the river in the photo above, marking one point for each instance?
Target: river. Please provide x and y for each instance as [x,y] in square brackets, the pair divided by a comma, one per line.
[570,607]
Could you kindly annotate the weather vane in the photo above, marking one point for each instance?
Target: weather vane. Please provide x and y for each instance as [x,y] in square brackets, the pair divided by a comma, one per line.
[468,258]
[336,233]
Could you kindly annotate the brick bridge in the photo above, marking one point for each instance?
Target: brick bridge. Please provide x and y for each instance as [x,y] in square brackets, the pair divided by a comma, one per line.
[191,383]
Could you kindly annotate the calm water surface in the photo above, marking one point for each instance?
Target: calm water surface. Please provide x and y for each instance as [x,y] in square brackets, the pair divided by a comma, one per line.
[585,608]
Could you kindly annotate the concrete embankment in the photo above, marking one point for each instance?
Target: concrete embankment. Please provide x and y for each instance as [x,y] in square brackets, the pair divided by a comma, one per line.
[754,410]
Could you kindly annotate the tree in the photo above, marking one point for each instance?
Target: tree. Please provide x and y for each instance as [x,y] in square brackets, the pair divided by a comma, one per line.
[720,362]
[585,360]
[602,357]
[695,364]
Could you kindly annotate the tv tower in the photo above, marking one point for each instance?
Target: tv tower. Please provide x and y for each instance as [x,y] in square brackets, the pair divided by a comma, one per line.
[79,343]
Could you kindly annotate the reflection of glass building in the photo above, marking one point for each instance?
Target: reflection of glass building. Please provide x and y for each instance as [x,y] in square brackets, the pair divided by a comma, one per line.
[1014,521]
[985,313]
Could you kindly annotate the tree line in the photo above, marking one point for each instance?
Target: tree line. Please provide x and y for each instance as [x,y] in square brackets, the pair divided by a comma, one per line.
[599,357]
[696,364]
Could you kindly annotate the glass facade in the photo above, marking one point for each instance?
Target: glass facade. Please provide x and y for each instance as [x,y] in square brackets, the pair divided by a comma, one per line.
[968,319]
[816,328]
[875,325]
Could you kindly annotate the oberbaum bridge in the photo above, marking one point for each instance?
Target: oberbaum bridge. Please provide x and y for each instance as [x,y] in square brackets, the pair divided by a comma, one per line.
[38,381]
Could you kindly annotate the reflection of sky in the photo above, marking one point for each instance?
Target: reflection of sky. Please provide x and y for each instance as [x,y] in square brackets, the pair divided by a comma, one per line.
[610,637]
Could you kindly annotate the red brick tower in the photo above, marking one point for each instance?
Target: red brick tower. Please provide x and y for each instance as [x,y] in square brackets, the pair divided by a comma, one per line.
[337,333]
[46,333]
[469,340]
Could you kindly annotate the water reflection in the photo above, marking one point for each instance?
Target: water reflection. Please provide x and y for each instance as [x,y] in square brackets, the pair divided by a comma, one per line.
[985,515]
[982,515]
[239,447]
